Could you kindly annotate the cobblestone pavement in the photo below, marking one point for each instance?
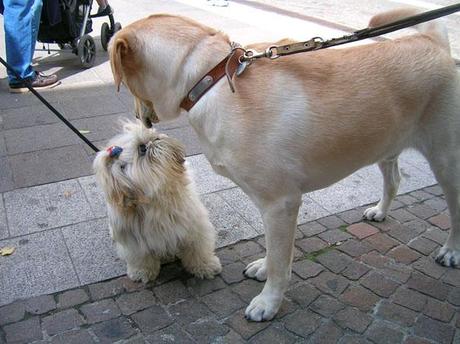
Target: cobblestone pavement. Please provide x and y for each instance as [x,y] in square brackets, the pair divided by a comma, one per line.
[352,282]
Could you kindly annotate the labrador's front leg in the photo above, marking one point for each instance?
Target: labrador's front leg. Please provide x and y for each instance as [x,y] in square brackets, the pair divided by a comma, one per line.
[280,219]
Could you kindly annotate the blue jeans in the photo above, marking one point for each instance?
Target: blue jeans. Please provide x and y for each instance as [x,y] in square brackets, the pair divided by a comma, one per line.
[21,20]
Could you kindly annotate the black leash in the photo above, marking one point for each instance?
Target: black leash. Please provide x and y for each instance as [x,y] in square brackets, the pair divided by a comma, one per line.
[49,106]
[317,43]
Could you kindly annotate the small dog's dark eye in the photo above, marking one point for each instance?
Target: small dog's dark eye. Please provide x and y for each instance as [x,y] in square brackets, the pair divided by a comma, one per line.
[142,149]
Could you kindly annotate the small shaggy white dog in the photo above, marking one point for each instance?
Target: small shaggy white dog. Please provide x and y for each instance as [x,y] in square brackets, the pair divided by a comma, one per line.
[153,209]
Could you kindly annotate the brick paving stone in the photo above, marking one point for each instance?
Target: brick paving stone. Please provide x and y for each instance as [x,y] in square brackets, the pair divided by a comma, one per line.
[169,272]
[452,276]
[418,226]
[40,304]
[247,289]
[437,204]
[351,216]
[428,286]
[395,313]
[353,319]
[423,245]
[387,225]
[381,333]
[375,259]
[233,273]
[441,220]
[287,307]
[397,272]
[13,312]
[381,242]
[231,304]
[244,328]
[355,270]
[189,311]
[25,331]
[303,294]
[326,306]
[434,330]
[62,321]
[303,322]
[354,339]
[137,339]
[435,190]
[78,336]
[310,245]
[274,334]
[403,254]
[354,248]
[246,249]
[406,199]
[105,289]
[454,296]
[134,302]
[72,298]
[360,298]
[334,236]
[202,287]
[152,319]
[334,260]
[100,311]
[379,284]
[422,211]
[171,334]
[130,285]
[436,235]
[327,333]
[362,230]
[416,340]
[421,195]
[207,331]
[331,222]
[113,330]
[171,292]
[410,299]
[396,204]
[438,310]
[306,268]
[428,266]
[402,215]
[312,228]
[330,283]
[403,234]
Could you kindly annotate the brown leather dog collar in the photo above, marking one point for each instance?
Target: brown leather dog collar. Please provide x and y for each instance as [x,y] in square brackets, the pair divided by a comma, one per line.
[228,66]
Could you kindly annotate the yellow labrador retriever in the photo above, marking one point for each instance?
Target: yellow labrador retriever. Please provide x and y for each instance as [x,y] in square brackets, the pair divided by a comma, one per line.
[304,121]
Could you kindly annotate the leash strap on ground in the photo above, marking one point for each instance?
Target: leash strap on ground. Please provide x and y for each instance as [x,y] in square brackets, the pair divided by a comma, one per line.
[317,43]
[49,106]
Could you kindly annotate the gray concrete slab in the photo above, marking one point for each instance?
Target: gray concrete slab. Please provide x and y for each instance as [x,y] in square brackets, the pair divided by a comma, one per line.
[41,137]
[3,224]
[100,127]
[94,195]
[6,175]
[51,165]
[29,116]
[229,225]
[2,143]
[91,251]
[44,207]
[188,138]
[347,194]
[40,265]
[205,178]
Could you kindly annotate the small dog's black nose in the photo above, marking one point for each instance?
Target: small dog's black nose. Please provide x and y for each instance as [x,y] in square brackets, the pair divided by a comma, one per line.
[114,151]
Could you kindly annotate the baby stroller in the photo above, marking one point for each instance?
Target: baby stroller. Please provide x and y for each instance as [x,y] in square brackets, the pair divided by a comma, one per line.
[68,23]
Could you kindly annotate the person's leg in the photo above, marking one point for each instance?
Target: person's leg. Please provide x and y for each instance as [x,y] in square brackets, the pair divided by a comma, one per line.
[21,22]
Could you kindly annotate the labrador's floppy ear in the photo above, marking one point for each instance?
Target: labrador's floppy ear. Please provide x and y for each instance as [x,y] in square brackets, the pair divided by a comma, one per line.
[118,51]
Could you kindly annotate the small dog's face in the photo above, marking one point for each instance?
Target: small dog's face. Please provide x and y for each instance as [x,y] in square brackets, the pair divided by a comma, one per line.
[139,165]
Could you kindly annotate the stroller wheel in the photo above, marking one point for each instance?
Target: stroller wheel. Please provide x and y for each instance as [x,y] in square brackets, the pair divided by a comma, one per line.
[86,50]
[105,35]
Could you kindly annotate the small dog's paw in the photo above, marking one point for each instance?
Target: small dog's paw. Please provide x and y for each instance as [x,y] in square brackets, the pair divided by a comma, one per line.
[261,308]
[207,269]
[142,275]
[448,257]
[256,270]
[374,214]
